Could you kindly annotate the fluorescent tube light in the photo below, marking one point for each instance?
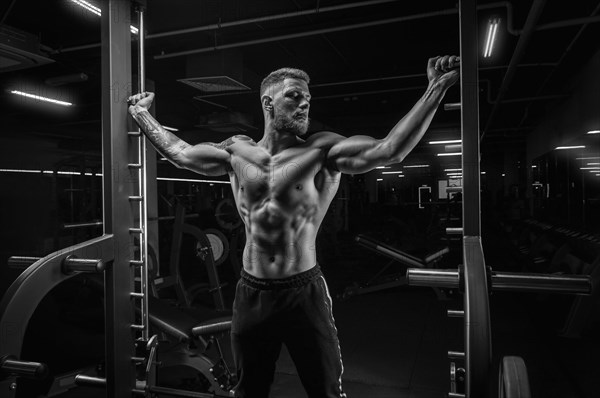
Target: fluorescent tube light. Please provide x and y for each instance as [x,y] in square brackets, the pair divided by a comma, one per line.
[190,180]
[412,166]
[93,9]
[491,36]
[594,132]
[450,154]
[391,172]
[380,179]
[570,147]
[452,169]
[445,142]
[39,97]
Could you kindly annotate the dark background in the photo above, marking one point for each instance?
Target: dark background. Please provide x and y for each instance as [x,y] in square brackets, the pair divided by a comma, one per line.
[367,66]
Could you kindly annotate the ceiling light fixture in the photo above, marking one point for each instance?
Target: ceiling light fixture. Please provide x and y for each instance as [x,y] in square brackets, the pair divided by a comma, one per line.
[570,147]
[412,166]
[93,9]
[450,154]
[594,132]
[445,142]
[391,172]
[39,97]
[491,36]
[190,180]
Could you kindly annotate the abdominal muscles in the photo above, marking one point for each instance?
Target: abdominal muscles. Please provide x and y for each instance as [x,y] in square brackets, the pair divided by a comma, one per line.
[280,237]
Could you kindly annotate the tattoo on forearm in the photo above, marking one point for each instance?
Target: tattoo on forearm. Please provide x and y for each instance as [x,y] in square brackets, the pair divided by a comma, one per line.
[164,141]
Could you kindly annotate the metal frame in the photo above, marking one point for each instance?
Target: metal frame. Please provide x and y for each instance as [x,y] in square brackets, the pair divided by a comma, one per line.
[477,337]
[117,184]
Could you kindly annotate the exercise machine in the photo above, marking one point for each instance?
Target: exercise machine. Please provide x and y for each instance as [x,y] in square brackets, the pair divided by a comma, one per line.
[379,282]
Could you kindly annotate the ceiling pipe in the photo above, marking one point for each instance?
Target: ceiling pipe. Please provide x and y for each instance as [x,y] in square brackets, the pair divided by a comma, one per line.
[269,18]
[318,10]
[308,33]
[534,14]
[560,60]
[221,25]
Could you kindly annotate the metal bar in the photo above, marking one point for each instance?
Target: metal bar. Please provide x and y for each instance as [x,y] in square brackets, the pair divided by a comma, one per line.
[90,381]
[72,264]
[269,18]
[21,262]
[568,284]
[313,32]
[143,185]
[456,313]
[33,370]
[432,277]
[456,355]
[504,281]
[116,83]
[568,22]
[82,225]
[469,93]
[452,106]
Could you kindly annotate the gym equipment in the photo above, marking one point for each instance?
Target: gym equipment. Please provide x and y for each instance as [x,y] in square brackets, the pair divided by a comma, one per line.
[376,283]
[130,363]
[31,286]
[208,252]
[218,245]
[473,278]
[227,215]
[11,366]
[476,310]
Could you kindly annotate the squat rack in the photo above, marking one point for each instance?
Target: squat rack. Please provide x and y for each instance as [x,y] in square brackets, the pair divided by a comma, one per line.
[127,202]
[473,277]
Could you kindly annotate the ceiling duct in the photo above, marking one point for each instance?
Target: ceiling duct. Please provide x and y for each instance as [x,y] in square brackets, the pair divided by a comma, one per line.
[19,50]
[214,73]
[227,122]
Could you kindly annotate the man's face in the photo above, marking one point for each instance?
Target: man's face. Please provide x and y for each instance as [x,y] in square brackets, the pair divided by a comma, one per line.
[291,103]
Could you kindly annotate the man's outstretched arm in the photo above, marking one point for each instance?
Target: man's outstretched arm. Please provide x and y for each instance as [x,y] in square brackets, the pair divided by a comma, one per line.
[206,158]
[359,154]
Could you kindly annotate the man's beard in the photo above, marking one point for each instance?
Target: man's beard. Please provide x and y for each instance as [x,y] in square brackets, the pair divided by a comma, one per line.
[291,125]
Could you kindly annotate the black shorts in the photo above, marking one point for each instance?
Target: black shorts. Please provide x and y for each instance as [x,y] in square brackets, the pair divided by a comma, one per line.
[294,311]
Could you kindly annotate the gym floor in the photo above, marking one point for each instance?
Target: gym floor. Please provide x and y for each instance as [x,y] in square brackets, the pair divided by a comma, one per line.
[395,342]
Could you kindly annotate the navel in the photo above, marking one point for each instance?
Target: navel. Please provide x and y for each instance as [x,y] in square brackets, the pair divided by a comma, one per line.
[299,187]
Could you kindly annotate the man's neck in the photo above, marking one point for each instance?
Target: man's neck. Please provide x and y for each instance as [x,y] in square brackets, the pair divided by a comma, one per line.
[275,141]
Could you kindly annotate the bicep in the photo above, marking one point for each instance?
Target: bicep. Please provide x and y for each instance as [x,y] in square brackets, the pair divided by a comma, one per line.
[358,154]
[206,158]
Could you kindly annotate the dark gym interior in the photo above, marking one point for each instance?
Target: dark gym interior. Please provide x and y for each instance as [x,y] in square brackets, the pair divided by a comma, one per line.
[537,104]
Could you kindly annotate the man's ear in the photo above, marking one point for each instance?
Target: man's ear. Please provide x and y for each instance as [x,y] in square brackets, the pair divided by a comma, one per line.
[267,103]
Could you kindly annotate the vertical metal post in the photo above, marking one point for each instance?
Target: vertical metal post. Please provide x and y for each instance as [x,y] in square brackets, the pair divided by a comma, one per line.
[476,305]
[469,92]
[143,185]
[118,215]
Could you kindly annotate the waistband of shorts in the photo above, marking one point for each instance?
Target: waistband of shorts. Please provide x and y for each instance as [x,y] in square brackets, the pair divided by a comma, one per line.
[298,280]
